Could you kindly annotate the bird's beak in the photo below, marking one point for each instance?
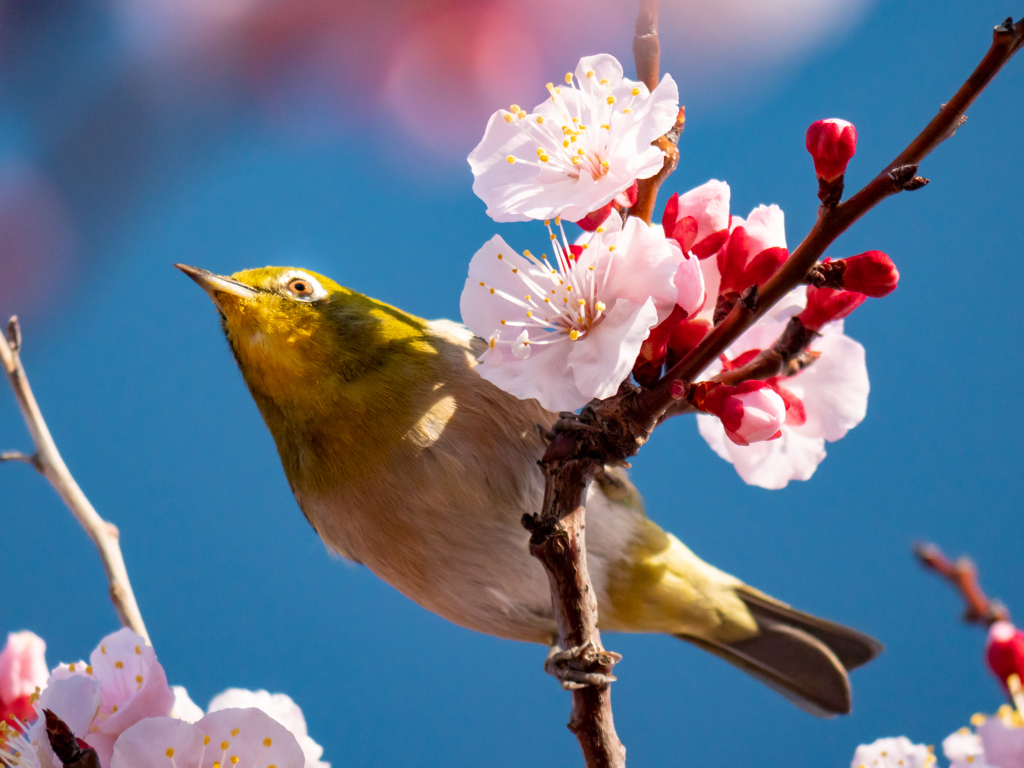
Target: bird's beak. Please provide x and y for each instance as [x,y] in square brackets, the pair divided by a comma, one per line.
[217,284]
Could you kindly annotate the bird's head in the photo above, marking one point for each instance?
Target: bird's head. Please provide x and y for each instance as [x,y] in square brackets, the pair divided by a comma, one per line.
[302,341]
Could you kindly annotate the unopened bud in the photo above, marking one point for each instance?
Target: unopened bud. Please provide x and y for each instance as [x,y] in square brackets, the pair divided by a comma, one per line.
[827,304]
[1004,651]
[751,412]
[831,143]
[653,350]
[871,273]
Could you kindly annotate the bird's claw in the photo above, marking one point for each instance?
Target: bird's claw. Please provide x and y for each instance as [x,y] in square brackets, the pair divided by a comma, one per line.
[578,667]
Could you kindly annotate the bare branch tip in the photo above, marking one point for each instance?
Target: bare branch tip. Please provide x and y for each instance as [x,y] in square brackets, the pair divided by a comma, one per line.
[14,333]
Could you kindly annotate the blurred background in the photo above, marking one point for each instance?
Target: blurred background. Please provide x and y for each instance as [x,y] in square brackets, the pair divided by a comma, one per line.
[332,134]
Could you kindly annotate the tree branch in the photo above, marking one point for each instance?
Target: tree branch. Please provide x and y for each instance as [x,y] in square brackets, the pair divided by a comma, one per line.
[48,462]
[832,221]
[963,575]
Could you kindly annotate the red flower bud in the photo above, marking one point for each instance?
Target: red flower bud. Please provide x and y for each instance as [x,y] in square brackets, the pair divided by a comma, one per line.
[750,412]
[831,143]
[827,304]
[871,273]
[1004,651]
[649,362]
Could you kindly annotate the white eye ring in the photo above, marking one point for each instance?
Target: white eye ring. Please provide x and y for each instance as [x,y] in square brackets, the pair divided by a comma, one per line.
[300,286]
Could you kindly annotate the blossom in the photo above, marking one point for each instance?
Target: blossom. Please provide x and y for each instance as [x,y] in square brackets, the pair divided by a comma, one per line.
[282,709]
[568,333]
[132,686]
[898,752]
[243,737]
[699,219]
[22,670]
[750,412]
[74,700]
[1004,651]
[1002,739]
[964,749]
[826,399]
[577,150]
[832,143]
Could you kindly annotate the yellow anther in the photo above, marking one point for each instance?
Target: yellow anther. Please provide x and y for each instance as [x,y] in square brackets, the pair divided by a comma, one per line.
[581,151]
[508,118]
[216,764]
[611,247]
[557,89]
[482,285]
[515,270]
[267,742]
[103,649]
[604,81]
[544,158]
[565,301]
[565,143]
[521,114]
[510,159]
[606,126]
[114,708]
[550,87]
[527,253]
[502,322]
[546,222]
[514,109]
[582,302]
[572,139]
[88,669]
[599,230]
[492,290]
[224,745]
[540,119]
[138,651]
[170,752]
[206,740]
[635,91]
[71,667]
[568,78]
[547,300]
[604,163]
[574,334]
[138,679]
[552,236]
[527,297]
[600,306]
[529,314]
[118,665]
[627,111]
[233,759]
[492,343]
[500,257]
[585,246]
[590,73]
[576,160]
[568,288]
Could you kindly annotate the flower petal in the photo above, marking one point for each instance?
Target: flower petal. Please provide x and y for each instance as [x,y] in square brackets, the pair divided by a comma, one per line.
[281,708]
[603,358]
[251,735]
[151,743]
[834,389]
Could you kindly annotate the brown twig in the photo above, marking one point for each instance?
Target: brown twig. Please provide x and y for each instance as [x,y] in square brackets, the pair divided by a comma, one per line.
[963,575]
[47,460]
[832,221]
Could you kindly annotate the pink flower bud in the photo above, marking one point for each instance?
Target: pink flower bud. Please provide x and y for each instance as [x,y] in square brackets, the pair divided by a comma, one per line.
[871,273]
[750,412]
[831,143]
[22,670]
[699,219]
[1004,651]
[827,304]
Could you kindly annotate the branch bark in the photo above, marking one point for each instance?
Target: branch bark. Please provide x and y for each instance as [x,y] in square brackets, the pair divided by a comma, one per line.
[47,460]
[963,575]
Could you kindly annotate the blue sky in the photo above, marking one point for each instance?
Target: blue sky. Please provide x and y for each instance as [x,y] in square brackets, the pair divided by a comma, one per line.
[145,402]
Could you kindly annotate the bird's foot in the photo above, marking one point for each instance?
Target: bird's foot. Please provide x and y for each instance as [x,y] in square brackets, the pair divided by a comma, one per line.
[581,666]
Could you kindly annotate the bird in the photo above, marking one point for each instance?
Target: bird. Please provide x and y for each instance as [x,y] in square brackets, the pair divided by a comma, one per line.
[404,459]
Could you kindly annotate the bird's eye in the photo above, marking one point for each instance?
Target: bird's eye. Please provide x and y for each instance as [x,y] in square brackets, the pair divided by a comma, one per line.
[300,287]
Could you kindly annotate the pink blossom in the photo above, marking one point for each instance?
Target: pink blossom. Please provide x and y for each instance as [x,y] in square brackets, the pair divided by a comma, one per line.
[699,219]
[750,412]
[578,149]
[826,399]
[22,670]
[282,709]
[570,332]
[243,737]
[132,687]
[832,143]
[1002,739]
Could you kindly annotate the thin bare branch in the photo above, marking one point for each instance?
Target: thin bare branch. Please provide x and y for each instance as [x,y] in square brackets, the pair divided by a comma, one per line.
[50,464]
[898,176]
[963,575]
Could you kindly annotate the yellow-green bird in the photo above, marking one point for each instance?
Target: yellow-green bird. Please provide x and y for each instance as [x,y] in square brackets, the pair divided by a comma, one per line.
[405,460]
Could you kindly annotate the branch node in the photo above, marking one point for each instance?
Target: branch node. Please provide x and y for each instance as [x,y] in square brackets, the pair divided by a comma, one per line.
[14,334]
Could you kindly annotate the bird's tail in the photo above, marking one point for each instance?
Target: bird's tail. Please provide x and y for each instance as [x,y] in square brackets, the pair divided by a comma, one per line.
[804,658]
